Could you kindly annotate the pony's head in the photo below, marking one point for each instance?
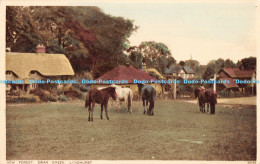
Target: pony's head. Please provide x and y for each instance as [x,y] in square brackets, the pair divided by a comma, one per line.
[113,85]
[196,92]
[140,86]
[112,92]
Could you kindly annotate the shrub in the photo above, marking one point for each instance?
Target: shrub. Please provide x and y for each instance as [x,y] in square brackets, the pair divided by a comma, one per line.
[53,98]
[74,93]
[23,99]
[225,93]
[59,92]
[44,95]
[63,98]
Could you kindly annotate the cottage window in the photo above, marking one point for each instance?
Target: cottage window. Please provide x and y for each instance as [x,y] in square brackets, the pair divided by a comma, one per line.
[8,73]
[33,85]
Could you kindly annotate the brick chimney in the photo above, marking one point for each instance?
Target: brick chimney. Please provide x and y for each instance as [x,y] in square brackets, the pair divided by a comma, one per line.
[40,49]
[143,66]
[8,49]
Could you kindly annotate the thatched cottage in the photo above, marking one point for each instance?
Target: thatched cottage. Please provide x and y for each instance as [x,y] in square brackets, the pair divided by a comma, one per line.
[36,66]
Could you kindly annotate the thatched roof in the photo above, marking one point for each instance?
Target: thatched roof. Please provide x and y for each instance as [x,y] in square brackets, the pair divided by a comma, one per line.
[46,64]
[148,70]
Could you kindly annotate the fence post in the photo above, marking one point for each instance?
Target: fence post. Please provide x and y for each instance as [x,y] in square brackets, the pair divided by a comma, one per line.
[174,91]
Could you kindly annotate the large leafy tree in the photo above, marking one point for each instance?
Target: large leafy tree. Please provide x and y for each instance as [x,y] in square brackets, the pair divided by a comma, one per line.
[213,67]
[86,35]
[195,65]
[156,55]
[21,36]
[248,63]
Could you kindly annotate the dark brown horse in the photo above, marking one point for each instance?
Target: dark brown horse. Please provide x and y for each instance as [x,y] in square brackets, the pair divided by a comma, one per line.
[100,97]
[200,94]
[211,97]
[208,97]
[148,94]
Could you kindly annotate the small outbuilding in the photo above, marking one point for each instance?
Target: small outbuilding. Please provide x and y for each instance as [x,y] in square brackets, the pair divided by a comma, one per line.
[130,74]
[183,72]
[232,74]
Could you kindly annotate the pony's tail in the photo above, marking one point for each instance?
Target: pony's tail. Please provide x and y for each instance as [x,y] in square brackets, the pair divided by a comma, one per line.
[130,99]
[87,100]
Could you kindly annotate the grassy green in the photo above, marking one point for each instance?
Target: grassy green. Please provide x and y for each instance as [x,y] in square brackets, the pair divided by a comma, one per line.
[177,131]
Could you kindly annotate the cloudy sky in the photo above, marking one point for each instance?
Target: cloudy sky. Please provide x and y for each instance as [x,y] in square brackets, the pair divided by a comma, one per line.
[205,31]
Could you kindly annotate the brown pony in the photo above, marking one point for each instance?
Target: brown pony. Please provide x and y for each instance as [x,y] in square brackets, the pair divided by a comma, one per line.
[200,94]
[211,97]
[208,97]
[100,97]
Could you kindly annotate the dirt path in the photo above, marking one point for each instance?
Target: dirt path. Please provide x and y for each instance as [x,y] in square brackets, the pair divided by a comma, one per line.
[233,101]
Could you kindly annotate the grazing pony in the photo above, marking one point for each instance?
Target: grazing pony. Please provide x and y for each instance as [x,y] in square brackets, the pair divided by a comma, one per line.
[148,94]
[100,97]
[211,97]
[124,94]
[200,94]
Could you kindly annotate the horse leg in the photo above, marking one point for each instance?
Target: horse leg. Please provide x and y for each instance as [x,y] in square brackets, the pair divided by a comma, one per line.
[207,107]
[201,107]
[129,106]
[131,101]
[89,111]
[93,105]
[144,105]
[101,114]
[126,104]
[152,107]
[148,111]
[121,106]
[106,111]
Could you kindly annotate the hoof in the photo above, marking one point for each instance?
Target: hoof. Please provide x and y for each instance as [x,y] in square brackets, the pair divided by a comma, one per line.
[88,119]
[107,118]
